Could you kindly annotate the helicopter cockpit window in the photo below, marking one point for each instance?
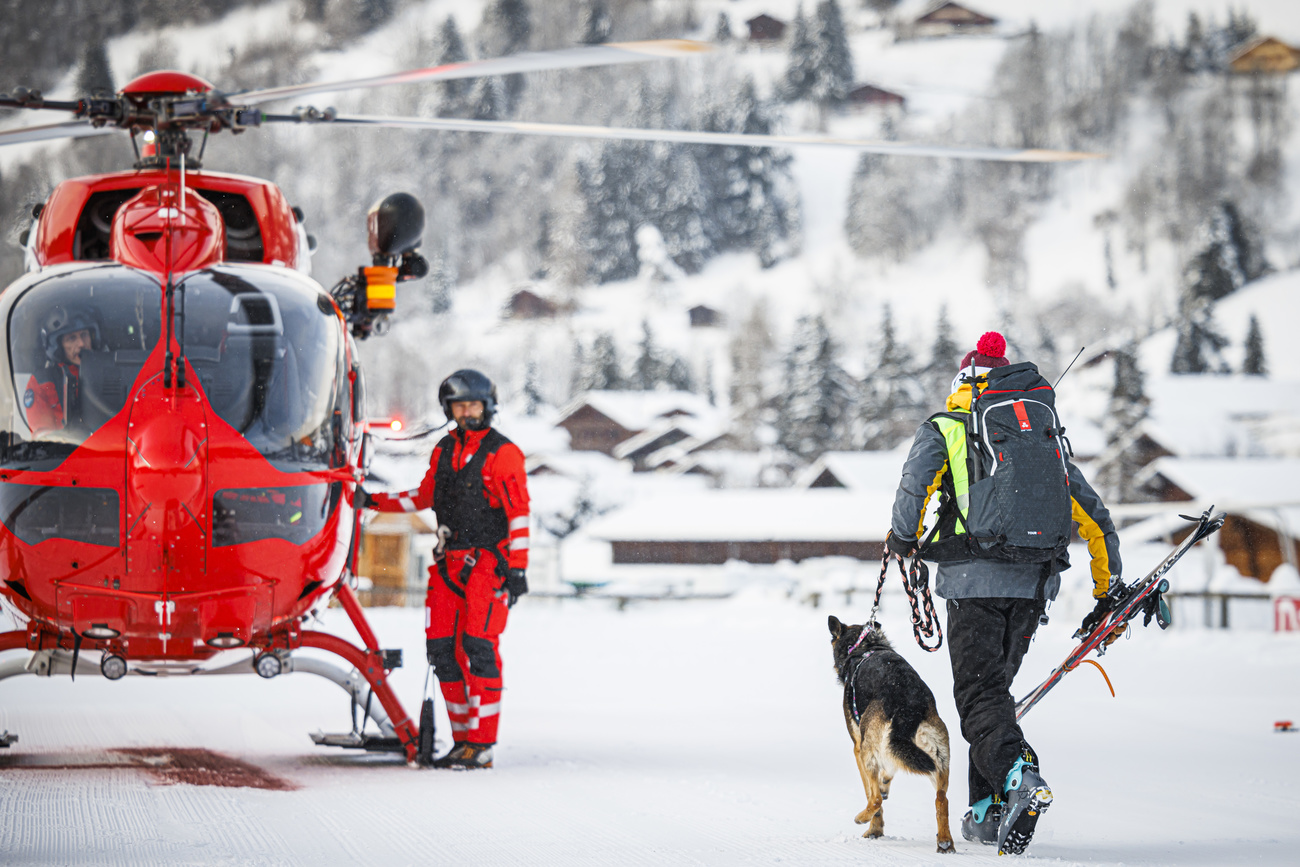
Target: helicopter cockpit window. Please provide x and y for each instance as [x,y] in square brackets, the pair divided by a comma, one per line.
[267,351]
[77,341]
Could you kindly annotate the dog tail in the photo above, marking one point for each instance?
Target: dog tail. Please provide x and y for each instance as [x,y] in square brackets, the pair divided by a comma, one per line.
[905,750]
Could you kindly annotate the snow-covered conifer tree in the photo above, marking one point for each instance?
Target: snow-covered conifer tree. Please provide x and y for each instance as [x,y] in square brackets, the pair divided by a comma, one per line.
[607,184]
[799,74]
[1127,410]
[487,99]
[682,209]
[1254,364]
[945,355]
[95,75]
[647,370]
[832,61]
[605,370]
[507,28]
[533,399]
[440,282]
[813,415]
[752,202]
[451,49]
[893,205]
[596,23]
[751,347]
[892,399]
[722,30]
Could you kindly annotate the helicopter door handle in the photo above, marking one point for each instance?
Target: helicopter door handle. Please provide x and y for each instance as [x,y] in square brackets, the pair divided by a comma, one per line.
[165,611]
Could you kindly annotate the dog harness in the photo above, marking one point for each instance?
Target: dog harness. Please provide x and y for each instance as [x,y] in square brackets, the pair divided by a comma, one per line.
[853,678]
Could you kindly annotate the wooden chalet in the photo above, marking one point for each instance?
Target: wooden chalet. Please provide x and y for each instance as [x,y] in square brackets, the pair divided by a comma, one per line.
[640,447]
[704,317]
[525,304]
[751,526]
[1257,536]
[600,420]
[948,19]
[387,557]
[592,430]
[1265,55]
[765,28]
[869,96]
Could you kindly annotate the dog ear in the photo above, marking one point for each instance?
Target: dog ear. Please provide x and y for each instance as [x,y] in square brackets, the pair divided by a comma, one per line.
[836,628]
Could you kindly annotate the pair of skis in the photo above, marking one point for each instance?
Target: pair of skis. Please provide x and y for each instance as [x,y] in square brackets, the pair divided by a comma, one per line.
[1139,597]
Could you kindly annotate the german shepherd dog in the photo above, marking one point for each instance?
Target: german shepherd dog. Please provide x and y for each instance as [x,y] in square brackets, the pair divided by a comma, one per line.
[892,719]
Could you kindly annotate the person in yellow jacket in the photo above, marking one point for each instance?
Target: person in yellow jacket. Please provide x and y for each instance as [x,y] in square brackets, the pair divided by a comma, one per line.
[995,599]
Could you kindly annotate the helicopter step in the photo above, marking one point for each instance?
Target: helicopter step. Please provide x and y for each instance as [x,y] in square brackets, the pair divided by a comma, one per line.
[360,741]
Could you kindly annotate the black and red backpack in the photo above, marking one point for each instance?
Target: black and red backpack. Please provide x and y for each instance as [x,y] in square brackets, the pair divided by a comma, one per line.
[1019,507]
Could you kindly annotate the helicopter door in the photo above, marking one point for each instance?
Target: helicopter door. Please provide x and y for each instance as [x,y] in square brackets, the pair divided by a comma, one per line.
[167,499]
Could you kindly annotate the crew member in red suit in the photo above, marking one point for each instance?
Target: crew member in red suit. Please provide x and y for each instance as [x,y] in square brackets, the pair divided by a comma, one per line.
[477,486]
[52,400]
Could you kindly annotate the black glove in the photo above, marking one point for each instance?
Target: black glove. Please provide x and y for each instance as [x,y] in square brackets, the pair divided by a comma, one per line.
[1105,605]
[902,547]
[516,585]
[363,500]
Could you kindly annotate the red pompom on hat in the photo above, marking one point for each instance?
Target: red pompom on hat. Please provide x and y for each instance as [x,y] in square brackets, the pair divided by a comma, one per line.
[990,352]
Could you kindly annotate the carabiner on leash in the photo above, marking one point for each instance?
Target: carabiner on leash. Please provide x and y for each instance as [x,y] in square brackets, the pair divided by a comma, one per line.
[916,582]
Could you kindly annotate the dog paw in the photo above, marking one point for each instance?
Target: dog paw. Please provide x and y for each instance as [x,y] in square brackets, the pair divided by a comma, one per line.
[946,847]
[864,817]
[873,833]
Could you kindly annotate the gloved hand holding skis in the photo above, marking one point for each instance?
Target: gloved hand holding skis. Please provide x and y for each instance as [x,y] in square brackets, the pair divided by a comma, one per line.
[1105,605]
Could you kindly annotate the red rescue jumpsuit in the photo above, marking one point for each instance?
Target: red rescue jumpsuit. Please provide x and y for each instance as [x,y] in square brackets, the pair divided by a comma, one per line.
[477,485]
[48,392]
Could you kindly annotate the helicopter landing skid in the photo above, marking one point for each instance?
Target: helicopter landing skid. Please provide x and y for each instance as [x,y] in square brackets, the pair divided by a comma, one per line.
[374,665]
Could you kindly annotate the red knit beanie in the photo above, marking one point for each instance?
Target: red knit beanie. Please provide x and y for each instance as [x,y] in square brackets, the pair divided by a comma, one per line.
[990,351]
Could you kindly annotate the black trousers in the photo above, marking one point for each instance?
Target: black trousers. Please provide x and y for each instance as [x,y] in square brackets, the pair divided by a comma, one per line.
[987,639]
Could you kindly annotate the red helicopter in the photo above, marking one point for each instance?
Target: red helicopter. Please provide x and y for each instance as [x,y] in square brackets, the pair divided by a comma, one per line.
[184,425]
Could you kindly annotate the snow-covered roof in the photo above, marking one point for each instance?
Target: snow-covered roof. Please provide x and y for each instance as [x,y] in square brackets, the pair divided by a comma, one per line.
[577,465]
[1232,482]
[691,429]
[638,410]
[765,515]
[874,471]
[1206,415]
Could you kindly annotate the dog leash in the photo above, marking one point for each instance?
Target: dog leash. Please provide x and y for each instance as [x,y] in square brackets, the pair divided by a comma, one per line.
[916,581]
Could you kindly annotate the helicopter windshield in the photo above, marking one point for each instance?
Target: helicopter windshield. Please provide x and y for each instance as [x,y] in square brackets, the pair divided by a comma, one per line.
[77,341]
[265,345]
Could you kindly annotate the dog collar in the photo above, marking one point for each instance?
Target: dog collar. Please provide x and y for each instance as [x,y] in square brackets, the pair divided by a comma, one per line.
[865,631]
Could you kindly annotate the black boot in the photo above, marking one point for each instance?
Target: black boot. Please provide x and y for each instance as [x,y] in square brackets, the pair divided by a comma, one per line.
[1028,797]
[465,756]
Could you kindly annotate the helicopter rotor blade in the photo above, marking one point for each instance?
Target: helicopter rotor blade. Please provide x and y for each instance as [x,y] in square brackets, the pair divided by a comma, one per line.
[609,54]
[47,131]
[1007,155]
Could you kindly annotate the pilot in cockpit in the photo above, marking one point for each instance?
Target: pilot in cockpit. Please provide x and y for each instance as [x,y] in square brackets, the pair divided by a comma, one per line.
[52,400]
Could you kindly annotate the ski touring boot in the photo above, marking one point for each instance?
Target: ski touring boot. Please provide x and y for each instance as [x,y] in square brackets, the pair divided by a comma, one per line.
[465,756]
[982,820]
[1028,796]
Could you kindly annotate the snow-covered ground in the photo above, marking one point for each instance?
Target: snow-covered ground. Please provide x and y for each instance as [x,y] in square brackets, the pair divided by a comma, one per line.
[668,733]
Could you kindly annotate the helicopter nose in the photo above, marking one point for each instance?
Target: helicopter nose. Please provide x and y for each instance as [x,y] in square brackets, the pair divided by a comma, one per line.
[167,503]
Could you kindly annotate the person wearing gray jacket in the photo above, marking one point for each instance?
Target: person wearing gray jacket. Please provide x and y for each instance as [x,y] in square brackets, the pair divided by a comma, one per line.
[994,606]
